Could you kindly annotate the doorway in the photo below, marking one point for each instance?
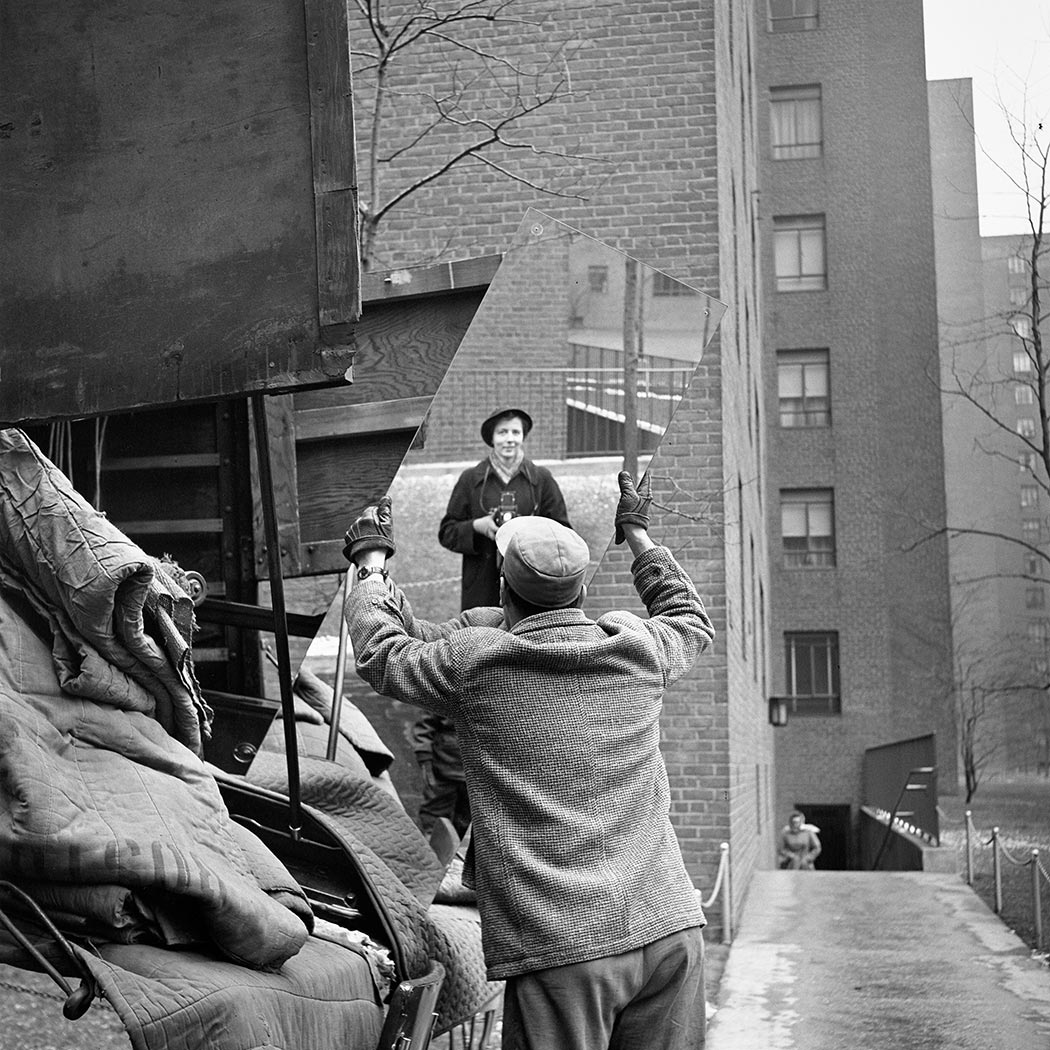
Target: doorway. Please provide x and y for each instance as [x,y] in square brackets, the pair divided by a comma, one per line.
[836,835]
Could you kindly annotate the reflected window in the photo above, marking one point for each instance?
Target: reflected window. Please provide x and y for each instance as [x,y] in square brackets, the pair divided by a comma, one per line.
[1033,564]
[598,279]
[803,388]
[1018,296]
[796,130]
[791,16]
[1034,598]
[798,253]
[1022,362]
[1026,427]
[1029,496]
[1038,633]
[812,672]
[807,521]
[1024,395]
[664,285]
[1017,264]
[1026,462]
[1031,532]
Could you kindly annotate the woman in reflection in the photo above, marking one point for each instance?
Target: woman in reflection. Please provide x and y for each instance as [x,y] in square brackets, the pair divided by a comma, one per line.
[503,485]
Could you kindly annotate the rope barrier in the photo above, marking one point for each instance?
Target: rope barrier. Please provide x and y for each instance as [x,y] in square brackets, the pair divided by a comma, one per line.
[723,862]
[723,887]
[1038,874]
[1011,858]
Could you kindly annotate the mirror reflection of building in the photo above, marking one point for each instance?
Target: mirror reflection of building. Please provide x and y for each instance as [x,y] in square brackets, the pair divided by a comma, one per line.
[503,485]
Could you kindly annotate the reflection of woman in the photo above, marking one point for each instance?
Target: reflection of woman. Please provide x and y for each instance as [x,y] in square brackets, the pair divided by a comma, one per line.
[503,485]
[799,845]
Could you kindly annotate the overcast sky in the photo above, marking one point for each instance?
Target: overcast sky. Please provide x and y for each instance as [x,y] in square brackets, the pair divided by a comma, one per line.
[1004,47]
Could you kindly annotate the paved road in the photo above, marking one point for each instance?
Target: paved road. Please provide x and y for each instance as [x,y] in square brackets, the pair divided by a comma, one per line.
[877,961]
[31,1017]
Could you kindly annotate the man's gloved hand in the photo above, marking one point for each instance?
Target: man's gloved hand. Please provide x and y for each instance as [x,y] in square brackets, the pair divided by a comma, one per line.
[633,508]
[372,530]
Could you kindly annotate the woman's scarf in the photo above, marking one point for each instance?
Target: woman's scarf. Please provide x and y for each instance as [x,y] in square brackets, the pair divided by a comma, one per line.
[502,472]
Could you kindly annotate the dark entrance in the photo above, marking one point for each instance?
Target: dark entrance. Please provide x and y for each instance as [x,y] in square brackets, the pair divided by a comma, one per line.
[836,835]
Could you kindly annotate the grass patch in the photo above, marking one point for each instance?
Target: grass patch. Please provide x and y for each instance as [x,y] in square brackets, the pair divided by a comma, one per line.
[1020,809]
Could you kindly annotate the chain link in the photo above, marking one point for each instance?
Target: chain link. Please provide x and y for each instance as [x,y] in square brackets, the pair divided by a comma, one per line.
[23,989]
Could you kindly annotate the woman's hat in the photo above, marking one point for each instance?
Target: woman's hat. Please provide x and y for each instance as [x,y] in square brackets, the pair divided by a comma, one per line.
[504,413]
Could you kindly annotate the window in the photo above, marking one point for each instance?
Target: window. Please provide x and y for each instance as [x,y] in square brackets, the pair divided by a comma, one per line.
[1026,461]
[1018,296]
[796,129]
[788,16]
[1026,427]
[1038,633]
[1022,327]
[1029,496]
[1022,362]
[598,278]
[1034,598]
[807,524]
[1024,395]
[1017,264]
[798,253]
[1033,564]
[803,388]
[812,672]
[664,285]
[1031,532]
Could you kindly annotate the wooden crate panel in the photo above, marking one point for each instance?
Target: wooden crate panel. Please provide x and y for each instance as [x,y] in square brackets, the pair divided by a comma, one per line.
[171,177]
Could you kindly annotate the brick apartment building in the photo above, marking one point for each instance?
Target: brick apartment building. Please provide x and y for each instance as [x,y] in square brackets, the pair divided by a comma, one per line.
[859,622]
[1000,620]
[821,250]
[664,95]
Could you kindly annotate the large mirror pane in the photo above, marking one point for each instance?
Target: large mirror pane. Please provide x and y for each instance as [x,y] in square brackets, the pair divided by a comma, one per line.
[573,367]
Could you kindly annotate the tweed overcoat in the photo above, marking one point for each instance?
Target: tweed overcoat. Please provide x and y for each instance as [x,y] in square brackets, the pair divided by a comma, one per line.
[558,720]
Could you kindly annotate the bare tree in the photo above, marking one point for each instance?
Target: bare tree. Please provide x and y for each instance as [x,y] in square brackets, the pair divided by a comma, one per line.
[995,375]
[986,388]
[447,87]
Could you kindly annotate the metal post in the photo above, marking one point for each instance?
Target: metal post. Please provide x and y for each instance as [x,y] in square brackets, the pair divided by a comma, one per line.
[1037,904]
[997,872]
[969,850]
[280,618]
[340,672]
[727,897]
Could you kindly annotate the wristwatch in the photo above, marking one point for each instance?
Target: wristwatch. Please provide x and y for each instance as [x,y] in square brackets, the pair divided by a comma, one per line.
[372,570]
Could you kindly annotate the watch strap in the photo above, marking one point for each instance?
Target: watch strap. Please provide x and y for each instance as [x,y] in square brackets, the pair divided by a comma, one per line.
[372,570]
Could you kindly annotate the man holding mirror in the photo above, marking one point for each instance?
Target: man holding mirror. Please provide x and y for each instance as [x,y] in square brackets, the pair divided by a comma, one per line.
[503,485]
[587,910]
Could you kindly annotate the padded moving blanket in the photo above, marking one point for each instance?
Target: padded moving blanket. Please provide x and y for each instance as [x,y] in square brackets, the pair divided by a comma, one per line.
[121,625]
[100,727]
[400,864]
[325,998]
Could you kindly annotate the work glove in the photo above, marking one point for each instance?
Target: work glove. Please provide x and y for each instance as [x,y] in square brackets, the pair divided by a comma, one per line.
[372,530]
[633,508]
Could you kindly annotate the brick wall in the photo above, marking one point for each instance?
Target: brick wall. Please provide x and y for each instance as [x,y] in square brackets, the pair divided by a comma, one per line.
[882,455]
[662,95]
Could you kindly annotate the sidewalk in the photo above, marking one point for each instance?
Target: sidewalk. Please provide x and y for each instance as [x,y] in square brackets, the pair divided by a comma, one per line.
[877,961]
